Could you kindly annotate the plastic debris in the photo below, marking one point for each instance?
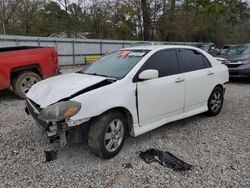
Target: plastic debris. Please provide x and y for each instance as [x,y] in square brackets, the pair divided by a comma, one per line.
[164,158]
[50,155]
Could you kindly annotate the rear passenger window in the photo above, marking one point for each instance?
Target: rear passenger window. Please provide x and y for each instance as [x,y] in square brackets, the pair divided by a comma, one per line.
[190,60]
[164,61]
[206,62]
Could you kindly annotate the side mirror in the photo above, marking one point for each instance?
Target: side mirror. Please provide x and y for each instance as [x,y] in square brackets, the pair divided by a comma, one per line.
[149,74]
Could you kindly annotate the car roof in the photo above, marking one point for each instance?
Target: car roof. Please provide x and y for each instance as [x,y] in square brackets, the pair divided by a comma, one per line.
[158,47]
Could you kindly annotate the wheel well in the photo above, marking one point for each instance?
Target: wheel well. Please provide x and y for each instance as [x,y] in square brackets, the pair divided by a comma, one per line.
[219,85]
[33,68]
[127,115]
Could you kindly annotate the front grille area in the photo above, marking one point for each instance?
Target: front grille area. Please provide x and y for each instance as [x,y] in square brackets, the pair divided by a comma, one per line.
[33,108]
[233,65]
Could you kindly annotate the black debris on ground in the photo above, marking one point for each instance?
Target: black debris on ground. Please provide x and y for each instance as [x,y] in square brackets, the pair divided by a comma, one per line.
[50,155]
[127,165]
[164,158]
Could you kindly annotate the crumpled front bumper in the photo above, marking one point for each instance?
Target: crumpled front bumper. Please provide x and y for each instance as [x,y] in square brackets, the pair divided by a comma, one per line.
[55,132]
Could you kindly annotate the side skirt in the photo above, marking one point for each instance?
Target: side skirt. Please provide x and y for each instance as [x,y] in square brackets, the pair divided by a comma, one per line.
[138,130]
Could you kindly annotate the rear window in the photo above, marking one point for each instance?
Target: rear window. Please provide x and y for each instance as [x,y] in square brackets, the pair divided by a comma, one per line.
[191,60]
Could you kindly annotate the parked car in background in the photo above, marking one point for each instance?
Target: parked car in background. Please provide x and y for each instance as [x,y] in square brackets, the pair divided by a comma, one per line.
[130,91]
[225,48]
[209,48]
[22,67]
[238,60]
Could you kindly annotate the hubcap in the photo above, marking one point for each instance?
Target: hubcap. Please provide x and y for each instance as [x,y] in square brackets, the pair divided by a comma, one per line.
[216,101]
[114,135]
[27,83]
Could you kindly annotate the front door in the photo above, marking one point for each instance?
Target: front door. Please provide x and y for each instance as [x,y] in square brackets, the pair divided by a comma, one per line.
[164,96]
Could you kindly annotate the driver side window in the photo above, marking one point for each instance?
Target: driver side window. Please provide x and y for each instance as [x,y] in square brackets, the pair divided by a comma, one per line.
[163,61]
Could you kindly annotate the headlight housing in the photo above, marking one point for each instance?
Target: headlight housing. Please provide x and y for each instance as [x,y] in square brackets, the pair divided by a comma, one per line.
[60,111]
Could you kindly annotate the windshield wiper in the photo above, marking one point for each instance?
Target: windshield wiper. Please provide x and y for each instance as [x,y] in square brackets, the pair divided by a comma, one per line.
[96,74]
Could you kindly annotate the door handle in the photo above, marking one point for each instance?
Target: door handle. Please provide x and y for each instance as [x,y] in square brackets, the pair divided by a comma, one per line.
[178,80]
[210,73]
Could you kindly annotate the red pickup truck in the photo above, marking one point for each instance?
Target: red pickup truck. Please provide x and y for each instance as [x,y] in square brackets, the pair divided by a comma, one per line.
[23,66]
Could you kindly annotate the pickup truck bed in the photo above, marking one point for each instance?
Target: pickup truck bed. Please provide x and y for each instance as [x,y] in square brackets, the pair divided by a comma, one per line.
[23,66]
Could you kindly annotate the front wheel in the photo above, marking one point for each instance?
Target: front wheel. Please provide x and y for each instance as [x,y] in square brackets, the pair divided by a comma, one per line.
[107,134]
[215,101]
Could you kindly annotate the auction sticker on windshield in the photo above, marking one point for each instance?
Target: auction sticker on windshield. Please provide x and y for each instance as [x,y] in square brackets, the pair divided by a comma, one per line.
[124,53]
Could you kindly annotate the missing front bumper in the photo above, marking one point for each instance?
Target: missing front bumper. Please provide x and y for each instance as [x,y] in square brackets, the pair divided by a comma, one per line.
[55,132]
[59,132]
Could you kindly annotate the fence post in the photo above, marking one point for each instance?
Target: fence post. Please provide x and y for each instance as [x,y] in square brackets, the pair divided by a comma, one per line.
[100,47]
[73,45]
[38,41]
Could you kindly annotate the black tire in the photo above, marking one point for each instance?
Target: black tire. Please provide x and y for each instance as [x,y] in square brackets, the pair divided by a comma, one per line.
[215,103]
[24,80]
[100,127]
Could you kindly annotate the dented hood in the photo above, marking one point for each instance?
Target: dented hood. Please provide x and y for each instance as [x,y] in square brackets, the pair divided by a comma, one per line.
[56,88]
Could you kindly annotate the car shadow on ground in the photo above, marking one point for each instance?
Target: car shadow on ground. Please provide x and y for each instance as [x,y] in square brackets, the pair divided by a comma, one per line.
[7,95]
[240,80]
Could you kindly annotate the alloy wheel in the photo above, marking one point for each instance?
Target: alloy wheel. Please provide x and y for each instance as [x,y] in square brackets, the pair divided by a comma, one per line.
[114,135]
[216,101]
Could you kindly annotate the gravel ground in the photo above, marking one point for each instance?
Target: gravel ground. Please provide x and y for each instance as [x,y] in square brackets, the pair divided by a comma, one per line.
[217,147]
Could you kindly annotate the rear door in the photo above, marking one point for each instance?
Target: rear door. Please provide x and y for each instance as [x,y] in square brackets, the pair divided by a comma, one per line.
[164,96]
[199,77]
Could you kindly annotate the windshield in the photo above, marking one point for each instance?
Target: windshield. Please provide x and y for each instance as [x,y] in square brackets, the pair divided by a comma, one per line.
[237,50]
[116,64]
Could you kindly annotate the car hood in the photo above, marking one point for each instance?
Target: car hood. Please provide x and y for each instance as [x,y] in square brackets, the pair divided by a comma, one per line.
[53,89]
[236,58]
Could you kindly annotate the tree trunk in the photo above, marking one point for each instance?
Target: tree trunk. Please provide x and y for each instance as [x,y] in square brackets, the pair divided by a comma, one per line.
[146,19]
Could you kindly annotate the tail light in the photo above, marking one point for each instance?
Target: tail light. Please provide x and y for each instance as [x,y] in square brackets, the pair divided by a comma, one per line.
[55,57]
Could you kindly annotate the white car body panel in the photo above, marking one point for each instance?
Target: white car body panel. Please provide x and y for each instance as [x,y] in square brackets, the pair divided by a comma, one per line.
[181,100]
[59,87]
[198,79]
[118,94]
[157,101]
[139,130]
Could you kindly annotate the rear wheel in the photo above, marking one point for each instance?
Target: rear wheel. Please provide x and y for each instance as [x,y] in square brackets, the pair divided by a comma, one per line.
[107,134]
[24,81]
[215,101]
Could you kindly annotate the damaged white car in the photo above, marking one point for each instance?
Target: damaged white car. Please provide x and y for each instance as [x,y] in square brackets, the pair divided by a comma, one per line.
[127,92]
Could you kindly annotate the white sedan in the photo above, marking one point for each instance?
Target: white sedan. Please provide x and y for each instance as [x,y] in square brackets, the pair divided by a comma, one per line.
[128,92]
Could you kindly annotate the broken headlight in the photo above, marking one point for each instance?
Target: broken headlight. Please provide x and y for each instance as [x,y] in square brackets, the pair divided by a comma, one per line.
[60,111]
